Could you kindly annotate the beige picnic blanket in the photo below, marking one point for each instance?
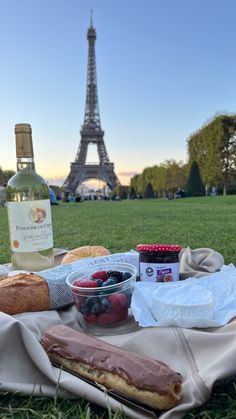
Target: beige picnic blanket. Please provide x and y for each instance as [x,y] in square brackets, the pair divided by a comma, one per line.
[201,356]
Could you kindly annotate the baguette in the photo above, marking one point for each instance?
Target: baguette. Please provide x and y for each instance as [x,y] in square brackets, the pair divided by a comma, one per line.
[23,292]
[133,376]
[84,252]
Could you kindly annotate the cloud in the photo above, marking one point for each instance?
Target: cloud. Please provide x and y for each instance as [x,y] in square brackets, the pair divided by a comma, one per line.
[127,174]
[57,180]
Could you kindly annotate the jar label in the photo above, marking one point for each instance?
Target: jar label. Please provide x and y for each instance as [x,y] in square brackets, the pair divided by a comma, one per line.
[159,272]
[30,225]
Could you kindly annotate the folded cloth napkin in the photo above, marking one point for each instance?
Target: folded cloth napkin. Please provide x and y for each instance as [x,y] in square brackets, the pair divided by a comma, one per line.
[199,262]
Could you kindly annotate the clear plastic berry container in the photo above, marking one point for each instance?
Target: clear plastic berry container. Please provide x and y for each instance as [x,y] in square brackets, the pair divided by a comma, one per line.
[102,295]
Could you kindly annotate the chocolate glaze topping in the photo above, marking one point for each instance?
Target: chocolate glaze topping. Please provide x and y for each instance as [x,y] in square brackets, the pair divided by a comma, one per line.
[144,373]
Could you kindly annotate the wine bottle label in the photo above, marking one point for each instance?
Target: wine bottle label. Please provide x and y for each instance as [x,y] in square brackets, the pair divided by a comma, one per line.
[30,225]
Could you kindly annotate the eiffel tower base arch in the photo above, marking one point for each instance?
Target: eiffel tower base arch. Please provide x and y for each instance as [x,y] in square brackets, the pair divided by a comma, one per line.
[81,173]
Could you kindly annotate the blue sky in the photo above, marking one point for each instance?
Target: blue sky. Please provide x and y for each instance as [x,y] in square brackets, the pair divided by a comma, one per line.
[164,67]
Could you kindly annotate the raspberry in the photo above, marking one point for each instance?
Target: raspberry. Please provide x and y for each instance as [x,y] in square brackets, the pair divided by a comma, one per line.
[107,318]
[90,318]
[85,283]
[118,302]
[110,318]
[122,314]
[100,275]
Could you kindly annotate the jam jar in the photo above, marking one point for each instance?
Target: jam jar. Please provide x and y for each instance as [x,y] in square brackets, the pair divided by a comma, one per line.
[158,262]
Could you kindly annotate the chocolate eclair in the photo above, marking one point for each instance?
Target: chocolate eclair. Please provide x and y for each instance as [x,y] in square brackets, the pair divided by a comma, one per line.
[144,380]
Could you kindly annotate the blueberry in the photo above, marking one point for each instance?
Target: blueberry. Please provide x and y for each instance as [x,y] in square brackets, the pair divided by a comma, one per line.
[89,303]
[110,281]
[96,308]
[105,304]
[83,308]
[113,280]
[99,282]
[126,275]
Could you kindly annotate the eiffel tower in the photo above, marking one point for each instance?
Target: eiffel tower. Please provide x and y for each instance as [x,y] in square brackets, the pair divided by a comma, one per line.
[91,133]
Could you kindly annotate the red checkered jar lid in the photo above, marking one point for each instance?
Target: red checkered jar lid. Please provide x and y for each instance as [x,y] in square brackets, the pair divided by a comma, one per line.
[158,248]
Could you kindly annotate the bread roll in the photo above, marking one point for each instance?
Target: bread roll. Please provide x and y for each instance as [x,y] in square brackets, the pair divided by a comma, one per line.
[23,292]
[135,377]
[84,252]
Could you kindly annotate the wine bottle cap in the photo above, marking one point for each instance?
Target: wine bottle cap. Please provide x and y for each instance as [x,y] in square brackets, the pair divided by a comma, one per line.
[24,145]
[23,128]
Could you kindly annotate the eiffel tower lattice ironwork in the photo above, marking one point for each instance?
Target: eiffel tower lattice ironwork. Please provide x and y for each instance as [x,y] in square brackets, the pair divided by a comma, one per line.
[91,133]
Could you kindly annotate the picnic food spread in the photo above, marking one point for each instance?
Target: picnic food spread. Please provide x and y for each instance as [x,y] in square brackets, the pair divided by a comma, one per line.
[143,380]
[23,292]
[159,262]
[84,252]
[136,377]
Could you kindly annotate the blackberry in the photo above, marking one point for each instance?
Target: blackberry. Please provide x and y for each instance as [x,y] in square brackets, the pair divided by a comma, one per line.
[115,274]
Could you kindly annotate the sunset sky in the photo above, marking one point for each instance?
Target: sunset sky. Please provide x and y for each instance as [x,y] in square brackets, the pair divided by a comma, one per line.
[164,67]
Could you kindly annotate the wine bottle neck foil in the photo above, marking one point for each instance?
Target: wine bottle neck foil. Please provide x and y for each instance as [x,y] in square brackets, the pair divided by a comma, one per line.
[24,144]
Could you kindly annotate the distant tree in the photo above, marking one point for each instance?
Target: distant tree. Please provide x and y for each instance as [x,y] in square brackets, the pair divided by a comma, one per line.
[195,185]
[213,147]
[124,194]
[1,176]
[132,193]
[5,175]
[134,183]
[149,191]
[228,150]
[123,191]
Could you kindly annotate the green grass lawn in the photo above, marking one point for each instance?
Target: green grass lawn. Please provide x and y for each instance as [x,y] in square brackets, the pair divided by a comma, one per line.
[120,226]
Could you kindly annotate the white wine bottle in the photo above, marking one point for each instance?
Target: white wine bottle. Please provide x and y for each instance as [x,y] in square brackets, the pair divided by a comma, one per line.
[29,209]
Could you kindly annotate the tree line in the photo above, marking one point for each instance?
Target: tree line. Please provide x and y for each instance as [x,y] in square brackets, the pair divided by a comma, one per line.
[165,179]
[5,175]
[211,164]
